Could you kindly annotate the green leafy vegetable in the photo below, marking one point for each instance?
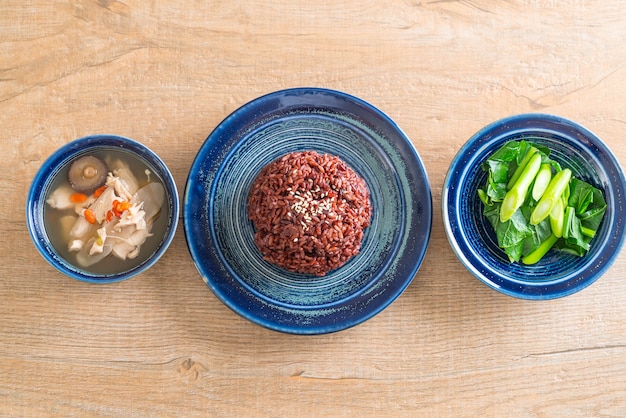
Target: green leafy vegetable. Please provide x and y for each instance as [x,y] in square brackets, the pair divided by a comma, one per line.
[588,202]
[534,205]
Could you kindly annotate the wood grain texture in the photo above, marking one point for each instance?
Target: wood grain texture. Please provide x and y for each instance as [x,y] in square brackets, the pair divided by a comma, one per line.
[166,73]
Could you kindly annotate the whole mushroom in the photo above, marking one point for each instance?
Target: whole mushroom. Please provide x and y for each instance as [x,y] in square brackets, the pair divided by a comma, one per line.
[87,173]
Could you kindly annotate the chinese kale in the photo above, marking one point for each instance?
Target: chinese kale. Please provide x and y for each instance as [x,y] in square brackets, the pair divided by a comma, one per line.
[534,205]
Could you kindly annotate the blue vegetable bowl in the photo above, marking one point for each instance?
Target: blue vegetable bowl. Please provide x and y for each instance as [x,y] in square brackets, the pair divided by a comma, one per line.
[51,239]
[472,238]
[220,235]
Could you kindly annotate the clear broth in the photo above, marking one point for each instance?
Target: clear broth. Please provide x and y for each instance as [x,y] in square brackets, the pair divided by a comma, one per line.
[59,237]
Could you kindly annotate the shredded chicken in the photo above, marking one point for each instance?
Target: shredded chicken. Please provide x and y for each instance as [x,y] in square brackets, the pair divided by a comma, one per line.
[133,216]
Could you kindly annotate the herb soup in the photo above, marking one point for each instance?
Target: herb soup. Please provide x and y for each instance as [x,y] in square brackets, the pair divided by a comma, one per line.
[110,226]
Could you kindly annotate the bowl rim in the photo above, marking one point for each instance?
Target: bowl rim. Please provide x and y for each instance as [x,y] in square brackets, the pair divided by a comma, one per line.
[46,174]
[231,127]
[499,132]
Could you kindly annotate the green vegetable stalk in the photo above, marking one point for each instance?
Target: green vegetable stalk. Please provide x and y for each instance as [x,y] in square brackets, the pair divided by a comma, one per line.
[516,196]
[542,181]
[518,171]
[557,219]
[540,251]
[551,196]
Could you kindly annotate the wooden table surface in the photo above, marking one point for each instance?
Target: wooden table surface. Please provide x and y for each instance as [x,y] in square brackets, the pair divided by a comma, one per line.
[166,73]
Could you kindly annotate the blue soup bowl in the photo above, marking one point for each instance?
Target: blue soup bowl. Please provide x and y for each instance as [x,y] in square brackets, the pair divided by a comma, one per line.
[50,245]
[220,235]
[472,237]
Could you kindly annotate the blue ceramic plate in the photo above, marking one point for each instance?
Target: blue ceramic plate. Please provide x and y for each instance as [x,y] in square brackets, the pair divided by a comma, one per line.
[220,236]
[472,237]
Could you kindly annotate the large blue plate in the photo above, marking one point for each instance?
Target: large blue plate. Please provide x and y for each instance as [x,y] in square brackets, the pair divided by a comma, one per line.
[220,236]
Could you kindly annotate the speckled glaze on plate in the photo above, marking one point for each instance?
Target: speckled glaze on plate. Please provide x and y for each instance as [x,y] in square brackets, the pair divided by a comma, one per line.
[220,236]
[472,237]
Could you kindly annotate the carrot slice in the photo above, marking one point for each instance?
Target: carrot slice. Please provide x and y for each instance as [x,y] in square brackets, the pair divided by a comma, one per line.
[90,216]
[78,197]
[99,191]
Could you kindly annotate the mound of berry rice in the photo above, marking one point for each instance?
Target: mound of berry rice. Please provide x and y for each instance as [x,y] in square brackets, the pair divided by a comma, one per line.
[309,211]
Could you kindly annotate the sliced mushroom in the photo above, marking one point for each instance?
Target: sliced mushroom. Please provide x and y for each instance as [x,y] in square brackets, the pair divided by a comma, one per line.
[87,173]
